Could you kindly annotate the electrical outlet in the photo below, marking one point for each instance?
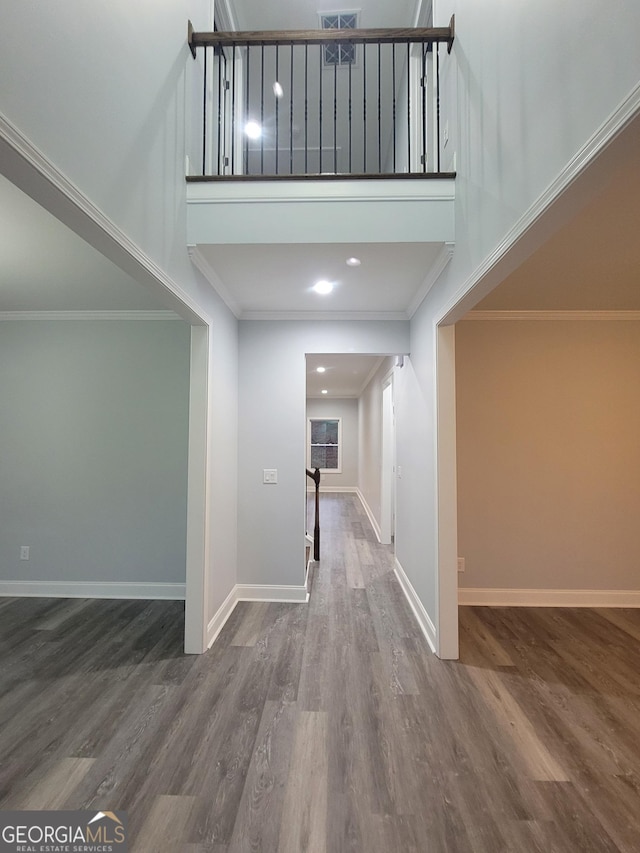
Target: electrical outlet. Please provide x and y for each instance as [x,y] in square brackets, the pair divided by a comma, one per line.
[24,552]
[270,475]
[461,564]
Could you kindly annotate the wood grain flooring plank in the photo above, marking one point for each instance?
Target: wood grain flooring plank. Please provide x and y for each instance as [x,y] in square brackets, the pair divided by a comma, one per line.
[259,816]
[53,789]
[165,827]
[248,631]
[304,815]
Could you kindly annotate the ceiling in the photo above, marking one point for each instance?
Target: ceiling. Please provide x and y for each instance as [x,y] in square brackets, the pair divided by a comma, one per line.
[343,376]
[280,278]
[44,266]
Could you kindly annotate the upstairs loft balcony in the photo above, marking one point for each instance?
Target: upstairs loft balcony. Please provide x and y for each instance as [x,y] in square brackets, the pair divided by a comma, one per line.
[320,136]
[323,104]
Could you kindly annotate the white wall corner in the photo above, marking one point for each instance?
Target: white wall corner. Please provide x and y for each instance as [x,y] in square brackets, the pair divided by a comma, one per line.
[492,597]
[422,617]
[370,515]
[220,618]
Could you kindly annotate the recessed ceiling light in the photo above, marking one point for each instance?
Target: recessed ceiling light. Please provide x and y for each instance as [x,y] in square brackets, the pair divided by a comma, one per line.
[320,369]
[353,262]
[324,391]
[278,91]
[253,130]
[323,287]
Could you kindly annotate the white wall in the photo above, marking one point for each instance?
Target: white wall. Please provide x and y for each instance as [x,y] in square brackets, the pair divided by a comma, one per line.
[548,453]
[347,411]
[530,95]
[105,92]
[271,433]
[370,444]
[93,449]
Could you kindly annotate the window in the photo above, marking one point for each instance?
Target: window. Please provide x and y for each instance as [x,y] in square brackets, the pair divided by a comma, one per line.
[339,54]
[325,444]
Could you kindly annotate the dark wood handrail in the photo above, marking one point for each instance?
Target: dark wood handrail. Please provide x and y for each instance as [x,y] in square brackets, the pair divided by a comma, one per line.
[429,35]
[315,476]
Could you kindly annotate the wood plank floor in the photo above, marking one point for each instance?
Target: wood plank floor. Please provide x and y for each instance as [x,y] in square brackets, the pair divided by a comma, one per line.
[328,727]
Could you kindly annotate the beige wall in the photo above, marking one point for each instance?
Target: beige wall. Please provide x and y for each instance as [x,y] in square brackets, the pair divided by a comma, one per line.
[548,414]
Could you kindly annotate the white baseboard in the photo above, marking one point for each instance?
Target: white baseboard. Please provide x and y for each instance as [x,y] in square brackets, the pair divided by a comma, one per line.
[549,597]
[218,622]
[327,489]
[424,620]
[291,594]
[90,589]
[370,515]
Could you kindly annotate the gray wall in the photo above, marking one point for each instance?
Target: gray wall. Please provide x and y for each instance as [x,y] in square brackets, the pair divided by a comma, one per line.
[370,444]
[272,380]
[93,449]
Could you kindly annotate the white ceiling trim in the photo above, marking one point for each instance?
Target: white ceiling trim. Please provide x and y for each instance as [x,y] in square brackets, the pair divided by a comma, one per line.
[444,256]
[18,144]
[88,315]
[487,275]
[323,315]
[202,264]
[552,315]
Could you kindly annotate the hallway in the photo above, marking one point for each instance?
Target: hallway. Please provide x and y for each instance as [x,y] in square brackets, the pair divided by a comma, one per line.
[327,727]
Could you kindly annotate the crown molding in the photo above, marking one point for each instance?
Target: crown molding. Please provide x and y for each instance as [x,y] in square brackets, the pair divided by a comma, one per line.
[18,143]
[444,256]
[324,315]
[202,264]
[551,315]
[617,121]
[88,315]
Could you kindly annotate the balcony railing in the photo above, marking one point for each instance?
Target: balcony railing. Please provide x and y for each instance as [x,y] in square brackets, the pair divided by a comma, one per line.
[321,103]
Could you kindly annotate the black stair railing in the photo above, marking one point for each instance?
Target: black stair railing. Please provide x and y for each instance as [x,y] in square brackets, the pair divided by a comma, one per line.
[289,104]
[315,476]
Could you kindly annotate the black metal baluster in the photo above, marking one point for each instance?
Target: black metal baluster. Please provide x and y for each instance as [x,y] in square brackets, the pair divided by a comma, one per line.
[221,92]
[204,116]
[393,83]
[364,107]
[335,118]
[437,52]
[233,108]
[408,107]
[277,107]
[261,109]
[379,115]
[350,119]
[306,107]
[320,115]
[423,83]
[291,112]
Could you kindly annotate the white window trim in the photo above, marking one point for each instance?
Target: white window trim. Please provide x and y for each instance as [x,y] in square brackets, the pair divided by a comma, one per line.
[337,470]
